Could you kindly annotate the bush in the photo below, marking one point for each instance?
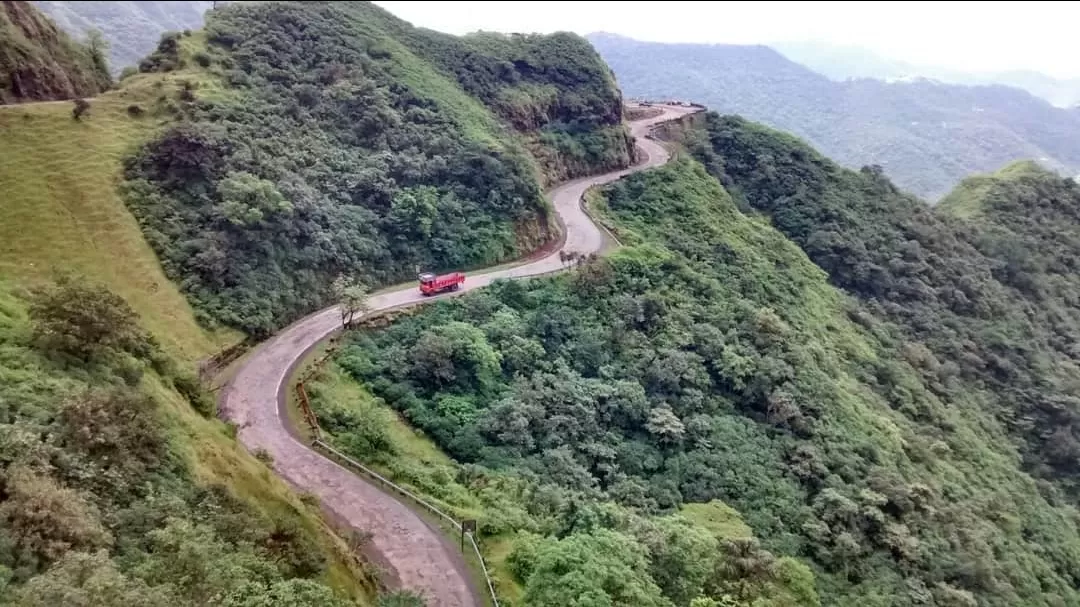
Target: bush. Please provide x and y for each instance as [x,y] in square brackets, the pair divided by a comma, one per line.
[83,320]
[135,110]
[190,388]
[82,106]
[187,91]
[115,427]
[401,598]
[45,520]
[166,57]
[202,59]
[264,456]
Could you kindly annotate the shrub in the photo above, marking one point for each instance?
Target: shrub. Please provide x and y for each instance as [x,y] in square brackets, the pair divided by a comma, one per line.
[401,598]
[264,456]
[115,427]
[83,320]
[190,388]
[82,106]
[187,91]
[45,520]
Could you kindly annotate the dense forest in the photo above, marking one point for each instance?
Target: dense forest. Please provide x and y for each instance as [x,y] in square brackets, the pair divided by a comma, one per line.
[794,384]
[40,62]
[983,296]
[336,139]
[926,135]
[889,429]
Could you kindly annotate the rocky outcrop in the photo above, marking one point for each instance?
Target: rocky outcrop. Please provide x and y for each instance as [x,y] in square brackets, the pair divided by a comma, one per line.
[39,62]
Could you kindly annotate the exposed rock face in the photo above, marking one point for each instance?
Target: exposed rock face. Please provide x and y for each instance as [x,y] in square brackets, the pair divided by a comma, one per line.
[39,62]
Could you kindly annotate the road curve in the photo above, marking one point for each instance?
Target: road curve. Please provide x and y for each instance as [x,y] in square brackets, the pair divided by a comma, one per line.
[418,558]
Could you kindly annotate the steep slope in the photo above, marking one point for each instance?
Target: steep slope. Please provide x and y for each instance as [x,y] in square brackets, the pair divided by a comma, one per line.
[62,211]
[131,28]
[115,475]
[956,298]
[926,135]
[911,439]
[710,361]
[341,146]
[120,488]
[40,62]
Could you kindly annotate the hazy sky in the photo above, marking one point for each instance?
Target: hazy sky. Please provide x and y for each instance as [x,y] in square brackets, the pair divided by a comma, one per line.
[973,36]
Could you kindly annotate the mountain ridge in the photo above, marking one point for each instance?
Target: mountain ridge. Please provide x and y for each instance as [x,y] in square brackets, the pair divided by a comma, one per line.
[844,62]
[927,136]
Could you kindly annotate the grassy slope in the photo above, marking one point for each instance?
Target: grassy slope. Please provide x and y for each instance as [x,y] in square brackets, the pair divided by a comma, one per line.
[416,462]
[968,198]
[62,213]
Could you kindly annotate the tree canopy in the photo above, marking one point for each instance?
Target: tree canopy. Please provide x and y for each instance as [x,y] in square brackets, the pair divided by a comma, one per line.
[709,360]
[349,142]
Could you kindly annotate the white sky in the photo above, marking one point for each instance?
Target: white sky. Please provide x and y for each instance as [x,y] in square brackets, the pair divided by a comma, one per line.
[972,36]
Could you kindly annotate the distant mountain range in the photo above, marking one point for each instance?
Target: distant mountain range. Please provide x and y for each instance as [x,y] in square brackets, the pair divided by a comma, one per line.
[845,62]
[132,28]
[925,134]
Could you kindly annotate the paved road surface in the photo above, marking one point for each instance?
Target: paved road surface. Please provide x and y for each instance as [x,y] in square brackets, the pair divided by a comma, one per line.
[419,558]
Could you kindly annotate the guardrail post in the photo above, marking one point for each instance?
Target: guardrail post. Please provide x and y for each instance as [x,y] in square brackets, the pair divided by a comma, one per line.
[305,408]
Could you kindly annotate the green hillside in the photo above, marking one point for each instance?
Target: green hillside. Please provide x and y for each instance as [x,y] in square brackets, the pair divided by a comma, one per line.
[39,61]
[115,475]
[973,295]
[595,438]
[891,406]
[344,147]
[62,211]
[280,159]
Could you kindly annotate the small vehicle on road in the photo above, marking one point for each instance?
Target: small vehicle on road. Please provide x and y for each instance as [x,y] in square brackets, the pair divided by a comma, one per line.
[430,284]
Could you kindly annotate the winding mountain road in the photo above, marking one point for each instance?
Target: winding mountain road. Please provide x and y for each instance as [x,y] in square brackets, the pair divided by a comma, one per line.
[416,556]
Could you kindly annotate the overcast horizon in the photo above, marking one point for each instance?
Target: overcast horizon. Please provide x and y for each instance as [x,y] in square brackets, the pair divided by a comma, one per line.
[998,36]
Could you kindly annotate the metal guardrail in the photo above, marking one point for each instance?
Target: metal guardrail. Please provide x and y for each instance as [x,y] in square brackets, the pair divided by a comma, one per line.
[419,500]
[596,220]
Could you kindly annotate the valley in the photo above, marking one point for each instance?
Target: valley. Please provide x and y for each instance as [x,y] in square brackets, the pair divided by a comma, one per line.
[926,135]
[694,361]
[253,400]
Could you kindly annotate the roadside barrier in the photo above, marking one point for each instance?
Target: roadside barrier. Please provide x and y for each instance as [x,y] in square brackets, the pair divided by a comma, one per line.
[385,482]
